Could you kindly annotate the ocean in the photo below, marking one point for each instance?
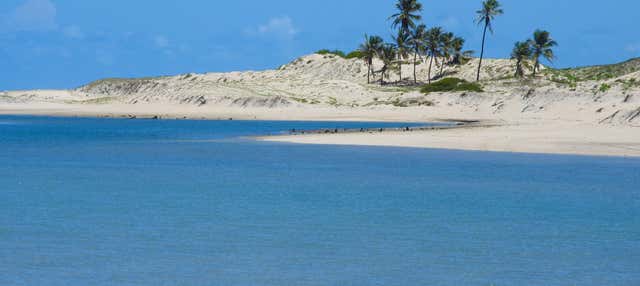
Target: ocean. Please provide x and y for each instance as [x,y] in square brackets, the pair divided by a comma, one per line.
[168,202]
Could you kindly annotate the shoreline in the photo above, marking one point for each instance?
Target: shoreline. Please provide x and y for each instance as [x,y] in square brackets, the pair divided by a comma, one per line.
[173,112]
[476,132]
[526,138]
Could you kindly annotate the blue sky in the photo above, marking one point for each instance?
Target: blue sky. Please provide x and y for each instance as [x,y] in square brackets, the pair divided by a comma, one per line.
[66,43]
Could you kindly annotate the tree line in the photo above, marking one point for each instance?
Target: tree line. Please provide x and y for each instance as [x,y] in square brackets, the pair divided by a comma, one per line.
[415,41]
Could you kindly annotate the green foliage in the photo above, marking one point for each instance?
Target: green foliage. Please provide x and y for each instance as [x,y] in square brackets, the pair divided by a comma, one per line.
[451,84]
[355,55]
[332,52]
[599,72]
[628,84]
[604,87]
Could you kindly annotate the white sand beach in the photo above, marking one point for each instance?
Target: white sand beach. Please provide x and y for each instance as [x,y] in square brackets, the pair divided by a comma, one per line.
[541,115]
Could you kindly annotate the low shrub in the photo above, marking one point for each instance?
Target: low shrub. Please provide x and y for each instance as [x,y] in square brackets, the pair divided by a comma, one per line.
[354,55]
[330,52]
[451,84]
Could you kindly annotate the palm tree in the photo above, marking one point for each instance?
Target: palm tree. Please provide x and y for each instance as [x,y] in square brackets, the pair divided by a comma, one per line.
[446,40]
[432,45]
[542,45]
[369,50]
[459,57]
[490,10]
[521,52]
[407,15]
[403,47]
[417,41]
[387,54]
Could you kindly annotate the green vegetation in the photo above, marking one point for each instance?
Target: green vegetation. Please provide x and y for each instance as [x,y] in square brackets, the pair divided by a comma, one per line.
[332,52]
[603,72]
[387,54]
[415,43]
[628,84]
[451,84]
[411,102]
[521,53]
[355,55]
[604,87]
[369,50]
[407,16]
[542,45]
[333,101]
[432,45]
[490,10]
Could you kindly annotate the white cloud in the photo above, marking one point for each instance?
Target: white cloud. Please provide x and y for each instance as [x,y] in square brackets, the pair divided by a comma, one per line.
[450,23]
[105,58]
[278,26]
[73,32]
[33,15]
[161,41]
[633,48]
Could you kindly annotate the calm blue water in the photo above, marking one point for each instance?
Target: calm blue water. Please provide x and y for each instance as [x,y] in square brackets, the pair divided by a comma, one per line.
[118,202]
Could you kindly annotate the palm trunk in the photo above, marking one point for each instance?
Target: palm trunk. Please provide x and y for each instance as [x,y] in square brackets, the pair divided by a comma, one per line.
[442,67]
[430,63]
[484,35]
[400,70]
[368,74]
[535,67]
[518,69]
[415,60]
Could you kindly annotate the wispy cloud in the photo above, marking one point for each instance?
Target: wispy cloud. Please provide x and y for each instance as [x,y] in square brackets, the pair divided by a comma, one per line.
[281,27]
[73,32]
[105,57]
[450,23]
[33,15]
[633,48]
[161,41]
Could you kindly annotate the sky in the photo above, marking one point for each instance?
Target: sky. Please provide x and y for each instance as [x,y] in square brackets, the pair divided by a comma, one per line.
[66,43]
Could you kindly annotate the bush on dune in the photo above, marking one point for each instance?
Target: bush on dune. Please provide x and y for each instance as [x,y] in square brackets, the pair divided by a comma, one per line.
[330,52]
[355,55]
[451,84]
[339,53]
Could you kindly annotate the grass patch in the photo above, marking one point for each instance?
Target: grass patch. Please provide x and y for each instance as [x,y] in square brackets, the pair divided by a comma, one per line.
[604,88]
[332,101]
[451,84]
[603,72]
[628,84]
[354,55]
[332,52]
[339,53]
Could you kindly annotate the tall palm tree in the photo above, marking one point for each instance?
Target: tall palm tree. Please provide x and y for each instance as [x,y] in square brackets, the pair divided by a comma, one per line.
[432,45]
[490,10]
[542,45]
[521,53]
[459,57]
[403,48]
[417,42]
[369,50]
[387,54]
[446,41]
[407,15]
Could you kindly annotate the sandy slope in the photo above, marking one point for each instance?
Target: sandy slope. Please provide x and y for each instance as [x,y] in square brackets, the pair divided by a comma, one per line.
[542,115]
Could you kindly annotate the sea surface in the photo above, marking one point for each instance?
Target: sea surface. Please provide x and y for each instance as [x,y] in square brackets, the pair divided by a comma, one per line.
[154,202]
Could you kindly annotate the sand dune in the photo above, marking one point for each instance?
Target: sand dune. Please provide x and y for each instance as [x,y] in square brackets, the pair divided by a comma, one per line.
[550,114]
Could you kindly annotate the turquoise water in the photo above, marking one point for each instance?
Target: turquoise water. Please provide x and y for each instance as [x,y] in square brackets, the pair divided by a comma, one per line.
[119,202]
